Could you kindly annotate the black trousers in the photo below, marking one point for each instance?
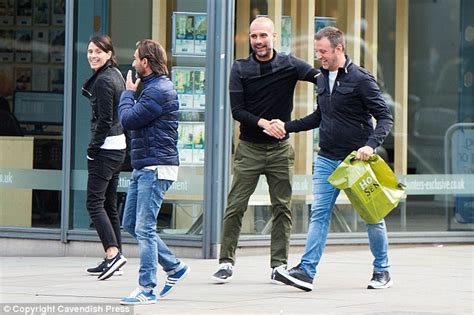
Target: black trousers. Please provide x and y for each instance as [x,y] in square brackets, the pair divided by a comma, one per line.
[102,182]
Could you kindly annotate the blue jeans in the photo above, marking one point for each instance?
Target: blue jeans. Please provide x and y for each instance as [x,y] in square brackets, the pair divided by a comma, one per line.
[144,197]
[325,196]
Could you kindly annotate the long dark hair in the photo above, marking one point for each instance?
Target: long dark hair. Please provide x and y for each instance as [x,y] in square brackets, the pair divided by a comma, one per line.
[104,42]
[155,54]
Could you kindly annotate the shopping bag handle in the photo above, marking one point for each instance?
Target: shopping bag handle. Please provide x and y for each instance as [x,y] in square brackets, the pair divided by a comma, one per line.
[352,157]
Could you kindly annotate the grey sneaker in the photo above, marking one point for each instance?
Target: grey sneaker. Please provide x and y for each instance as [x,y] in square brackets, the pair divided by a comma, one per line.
[295,277]
[223,274]
[380,280]
[273,280]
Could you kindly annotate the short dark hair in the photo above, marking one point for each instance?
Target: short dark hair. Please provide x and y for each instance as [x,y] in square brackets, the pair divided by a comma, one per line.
[104,42]
[155,54]
[333,34]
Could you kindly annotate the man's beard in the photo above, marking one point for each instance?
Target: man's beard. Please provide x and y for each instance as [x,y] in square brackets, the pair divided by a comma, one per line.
[264,53]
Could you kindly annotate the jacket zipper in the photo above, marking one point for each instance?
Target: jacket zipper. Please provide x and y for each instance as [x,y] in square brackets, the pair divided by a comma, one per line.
[89,93]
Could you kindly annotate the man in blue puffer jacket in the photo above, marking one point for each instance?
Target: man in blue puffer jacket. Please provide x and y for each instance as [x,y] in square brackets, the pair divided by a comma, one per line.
[153,124]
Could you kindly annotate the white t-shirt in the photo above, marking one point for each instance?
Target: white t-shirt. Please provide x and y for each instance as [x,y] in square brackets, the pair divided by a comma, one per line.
[332,79]
[166,172]
[114,143]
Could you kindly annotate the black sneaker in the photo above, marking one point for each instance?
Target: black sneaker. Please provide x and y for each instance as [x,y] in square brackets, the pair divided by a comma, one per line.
[295,277]
[380,280]
[95,271]
[111,265]
[224,273]
[272,277]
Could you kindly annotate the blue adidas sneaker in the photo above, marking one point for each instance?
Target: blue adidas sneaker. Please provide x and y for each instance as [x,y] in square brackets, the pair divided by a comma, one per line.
[173,280]
[138,296]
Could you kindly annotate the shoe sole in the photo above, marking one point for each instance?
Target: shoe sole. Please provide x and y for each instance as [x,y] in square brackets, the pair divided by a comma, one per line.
[219,280]
[122,261]
[137,303]
[289,280]
[116,273]
[180,279]
[275,281]
[386,286]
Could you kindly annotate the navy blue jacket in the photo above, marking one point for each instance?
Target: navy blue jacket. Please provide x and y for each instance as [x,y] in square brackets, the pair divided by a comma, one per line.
[152,121]
[344,116]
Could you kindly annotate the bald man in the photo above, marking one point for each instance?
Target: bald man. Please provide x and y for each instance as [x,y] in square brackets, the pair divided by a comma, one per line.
[261,89]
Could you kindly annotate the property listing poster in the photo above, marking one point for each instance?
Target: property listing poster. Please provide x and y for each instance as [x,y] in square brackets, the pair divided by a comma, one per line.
[183,34]
[59,10]
[198,143]
[190,85]
[23,79]
[183,81]
[199,95]
[6,45]
[41,12]
[24,12]
[200,31]
[56,80]
[185,142]
[23,45]
[7,12]
[189,33]
[57,46]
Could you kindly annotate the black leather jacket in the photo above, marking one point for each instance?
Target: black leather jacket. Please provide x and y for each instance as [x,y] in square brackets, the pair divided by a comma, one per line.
[103,90]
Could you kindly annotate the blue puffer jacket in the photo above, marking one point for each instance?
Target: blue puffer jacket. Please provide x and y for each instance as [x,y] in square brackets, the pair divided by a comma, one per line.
[152,121]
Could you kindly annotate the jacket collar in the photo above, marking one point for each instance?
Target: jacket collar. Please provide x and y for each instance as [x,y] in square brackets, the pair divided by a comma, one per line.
[105,66]
[346,67]
[254,58]
[151,78]
[86,85]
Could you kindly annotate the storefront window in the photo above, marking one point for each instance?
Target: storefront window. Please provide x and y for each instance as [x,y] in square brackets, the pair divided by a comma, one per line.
[432,106]
[180,26]
[31,96]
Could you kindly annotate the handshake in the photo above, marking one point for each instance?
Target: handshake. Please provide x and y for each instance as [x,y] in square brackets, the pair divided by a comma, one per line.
[274,128]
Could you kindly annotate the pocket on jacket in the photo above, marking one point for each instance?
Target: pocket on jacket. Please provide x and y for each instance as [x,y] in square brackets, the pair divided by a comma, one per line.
[345,90]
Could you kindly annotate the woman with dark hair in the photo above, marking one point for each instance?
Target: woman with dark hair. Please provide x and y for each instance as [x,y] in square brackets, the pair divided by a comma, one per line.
[105,153]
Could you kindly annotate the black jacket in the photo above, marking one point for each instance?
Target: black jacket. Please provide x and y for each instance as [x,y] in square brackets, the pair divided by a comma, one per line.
[344,116]
[103,90]
[265,90]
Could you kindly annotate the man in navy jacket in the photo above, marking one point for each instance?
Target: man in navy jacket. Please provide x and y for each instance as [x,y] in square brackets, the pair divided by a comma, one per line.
[153,124]
[348,97]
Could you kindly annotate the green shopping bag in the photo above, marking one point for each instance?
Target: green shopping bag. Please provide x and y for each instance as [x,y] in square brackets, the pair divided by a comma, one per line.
[371,186]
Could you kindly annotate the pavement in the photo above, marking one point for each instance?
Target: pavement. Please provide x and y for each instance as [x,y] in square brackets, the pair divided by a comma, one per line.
[428,279]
